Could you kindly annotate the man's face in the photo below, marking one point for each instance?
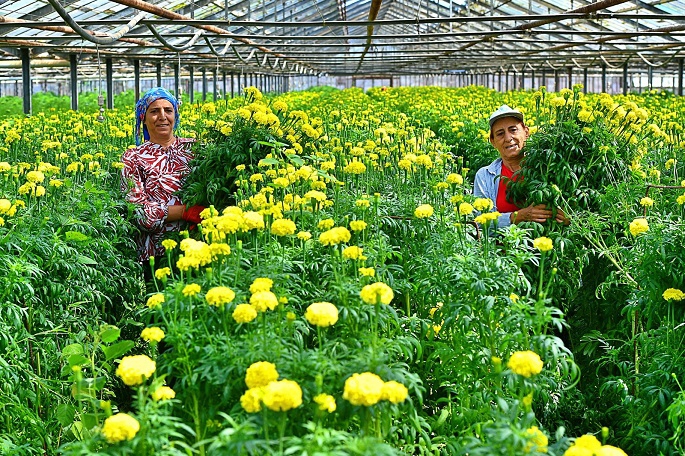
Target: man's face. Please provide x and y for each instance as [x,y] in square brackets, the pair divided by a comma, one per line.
[159,119]
[508,135]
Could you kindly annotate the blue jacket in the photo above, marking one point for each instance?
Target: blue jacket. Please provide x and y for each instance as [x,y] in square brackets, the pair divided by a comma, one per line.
[486,185]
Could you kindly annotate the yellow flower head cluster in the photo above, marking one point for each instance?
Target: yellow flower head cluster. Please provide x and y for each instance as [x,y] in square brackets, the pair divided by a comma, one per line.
[244,313]
[355,167]
[423,211]
[646,202]
[543,244]
[353,253]
[363,389]
[537,440]
[263,300]
[358,225]
[197,253]
[367,272]
[304,235]
[588,445]
[454,178]
[335,236]
[134,370]
[673,294]
[260,374]
[283,227]
[465,209]
[155,300]
[487,217]
[120,427]
[261,284]
[191,289]
[152,334]
[169,244]
[322,314]
[639,226]
[525,363]
[162,273]
[251,400]
[163,393]
[483,204]
[218,296]
[326,402]
[315,195]
[326,224]
[283,395]
[377,293]
[394,392]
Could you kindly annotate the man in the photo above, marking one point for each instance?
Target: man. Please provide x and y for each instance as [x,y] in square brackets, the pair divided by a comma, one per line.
[508,134]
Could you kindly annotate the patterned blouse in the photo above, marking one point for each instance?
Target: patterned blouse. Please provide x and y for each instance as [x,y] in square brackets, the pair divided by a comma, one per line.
[150,177]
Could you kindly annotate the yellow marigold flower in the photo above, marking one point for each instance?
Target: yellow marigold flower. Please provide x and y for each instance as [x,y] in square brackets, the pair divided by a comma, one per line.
[322,314]
[358,225]
[352,253]
[263,300]
[316,195]
[588,442]
[162,273]
[152,334]
[543,244]
[363,389]
[557,102]
[638,226]
[673,294]
[514,297]
[465,209]
[377,292]
[304,235]
[362,203]
[155,300]
[670,163]
[261,284]
[283,227]
[163,393]
[681,199]
[537,440]
[169,244]
[120,427]
[646,202]
[251,400]
[355,167]
[244,313]
[423,211]
[525,363]
[260,374]
[335,236]
[252,220]
[280,106]
[218,296]
[281,182]
[134,370]
[258,177]
[4,166]
[240,168]
[455,178]
[394,392]
[367,272]
[405,164]
[219,248]
[483,204]
[326,224]
[608,450]
[5,206]
[527,401]
[326,402]
[283,395]
[35,177]
[191,289]
[40,191]
[2,221]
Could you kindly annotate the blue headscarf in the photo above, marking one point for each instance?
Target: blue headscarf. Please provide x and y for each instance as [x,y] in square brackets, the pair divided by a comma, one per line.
[146,100]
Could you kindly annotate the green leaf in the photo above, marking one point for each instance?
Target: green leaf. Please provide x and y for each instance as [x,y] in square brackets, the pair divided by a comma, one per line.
[85,260]
[77,360]
[65,414]
[110,334]
[269,161]
[118,349]
[72,349]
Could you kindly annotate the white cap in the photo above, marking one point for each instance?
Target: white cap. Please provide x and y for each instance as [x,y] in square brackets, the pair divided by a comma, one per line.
[505,111]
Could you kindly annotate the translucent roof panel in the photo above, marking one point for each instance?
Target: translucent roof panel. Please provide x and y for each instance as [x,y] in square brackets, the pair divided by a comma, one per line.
[349,37]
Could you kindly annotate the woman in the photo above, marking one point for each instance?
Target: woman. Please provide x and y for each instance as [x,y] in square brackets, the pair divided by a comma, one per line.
[155,170]
[508,134]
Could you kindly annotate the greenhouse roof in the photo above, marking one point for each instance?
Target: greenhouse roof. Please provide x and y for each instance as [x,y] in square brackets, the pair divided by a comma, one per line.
[347,37]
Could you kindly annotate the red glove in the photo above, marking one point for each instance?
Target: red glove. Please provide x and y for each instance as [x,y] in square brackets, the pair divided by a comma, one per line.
[192,214]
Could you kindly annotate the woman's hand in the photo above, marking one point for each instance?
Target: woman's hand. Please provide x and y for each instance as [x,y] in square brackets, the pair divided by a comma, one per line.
[539,213]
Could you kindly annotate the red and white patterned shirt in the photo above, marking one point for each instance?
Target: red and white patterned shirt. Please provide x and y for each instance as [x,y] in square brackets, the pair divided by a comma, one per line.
[151,175]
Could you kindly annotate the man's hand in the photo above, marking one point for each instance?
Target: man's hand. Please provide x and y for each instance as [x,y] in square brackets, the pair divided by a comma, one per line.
[533,213]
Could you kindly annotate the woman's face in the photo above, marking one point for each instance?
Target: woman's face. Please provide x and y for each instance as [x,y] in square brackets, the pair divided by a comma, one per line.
[159,120]
[508,135]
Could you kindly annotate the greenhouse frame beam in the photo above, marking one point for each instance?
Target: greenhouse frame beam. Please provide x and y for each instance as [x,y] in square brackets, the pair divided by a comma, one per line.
[26,79]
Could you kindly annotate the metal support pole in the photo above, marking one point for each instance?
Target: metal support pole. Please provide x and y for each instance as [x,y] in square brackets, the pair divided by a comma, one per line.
[544,77]
[604,78]
[191,92]
[136,79]
[532,80]
[506,82]
[73,81]
[584,80]
[556,81]
[232,85]
[569,73]
[223,77]
[650,78]
[204,84]
[27,85]
[215,89]
[109,81]
[680,77]
[625,78]
[177,80]
[500,80]
[159,74]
